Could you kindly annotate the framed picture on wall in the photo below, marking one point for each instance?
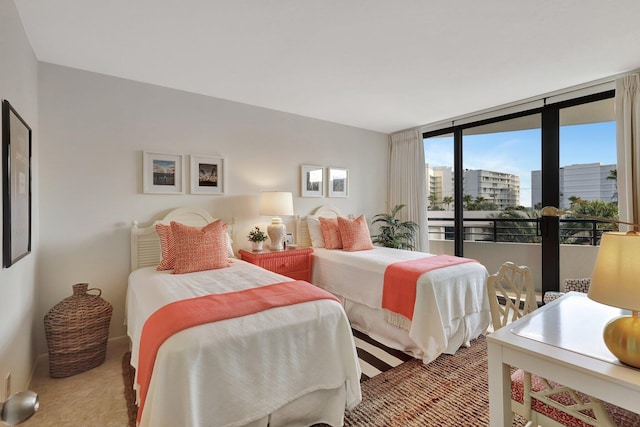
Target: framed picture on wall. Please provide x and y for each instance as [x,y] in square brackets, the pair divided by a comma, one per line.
[312,181]
[207,175]
[338,182]
[16,186]
[162,173]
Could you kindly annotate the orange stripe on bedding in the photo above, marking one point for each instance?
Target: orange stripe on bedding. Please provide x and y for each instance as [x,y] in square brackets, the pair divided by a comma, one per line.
[180,315]
[400,279]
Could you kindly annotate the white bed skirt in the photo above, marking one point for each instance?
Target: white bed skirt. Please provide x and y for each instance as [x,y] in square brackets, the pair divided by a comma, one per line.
[371,322]
[451,306]
[318,407]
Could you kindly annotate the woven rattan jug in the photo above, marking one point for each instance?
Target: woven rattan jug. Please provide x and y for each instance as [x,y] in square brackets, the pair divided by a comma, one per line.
[77,329]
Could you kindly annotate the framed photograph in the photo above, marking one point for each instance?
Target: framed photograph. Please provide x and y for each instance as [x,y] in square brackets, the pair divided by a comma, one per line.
[16,186]
[338,182]
[162,173]
[207,175]
[312,181]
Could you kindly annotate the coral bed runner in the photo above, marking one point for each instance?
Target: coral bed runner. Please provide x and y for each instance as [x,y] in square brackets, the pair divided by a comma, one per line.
[180,315]
[400,278]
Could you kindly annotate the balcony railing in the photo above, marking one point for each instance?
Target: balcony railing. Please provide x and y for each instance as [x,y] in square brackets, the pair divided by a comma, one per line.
[519,230]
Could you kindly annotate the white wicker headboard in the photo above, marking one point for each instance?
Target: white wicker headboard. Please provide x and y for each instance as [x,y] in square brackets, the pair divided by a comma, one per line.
[302,229]
[145,243]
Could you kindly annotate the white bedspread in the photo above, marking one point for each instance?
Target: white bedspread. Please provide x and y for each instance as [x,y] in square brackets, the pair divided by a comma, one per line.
[451,307]
[236,371]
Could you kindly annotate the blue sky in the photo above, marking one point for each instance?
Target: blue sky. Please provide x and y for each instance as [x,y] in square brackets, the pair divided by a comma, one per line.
[518,152]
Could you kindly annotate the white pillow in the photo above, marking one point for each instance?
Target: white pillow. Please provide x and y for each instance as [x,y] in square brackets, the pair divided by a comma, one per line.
[315,232]
[229,247]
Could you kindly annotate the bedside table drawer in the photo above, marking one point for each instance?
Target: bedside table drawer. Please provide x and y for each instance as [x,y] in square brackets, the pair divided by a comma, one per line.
[286,264]
[293,263]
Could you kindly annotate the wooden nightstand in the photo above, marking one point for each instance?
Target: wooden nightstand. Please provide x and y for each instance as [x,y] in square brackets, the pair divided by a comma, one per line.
[294,263]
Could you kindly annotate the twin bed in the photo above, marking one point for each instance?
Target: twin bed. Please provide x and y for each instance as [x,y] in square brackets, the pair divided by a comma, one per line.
[287,366]
[451,309]
[293,365]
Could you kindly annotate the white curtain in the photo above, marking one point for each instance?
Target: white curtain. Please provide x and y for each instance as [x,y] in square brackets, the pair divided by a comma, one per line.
[628,144]
[407,181]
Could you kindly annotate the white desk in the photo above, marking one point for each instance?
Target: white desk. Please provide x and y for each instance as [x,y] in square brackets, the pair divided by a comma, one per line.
[561,341]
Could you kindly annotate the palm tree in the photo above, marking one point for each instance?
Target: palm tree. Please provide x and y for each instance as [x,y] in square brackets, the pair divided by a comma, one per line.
[613,176]
[576,201]
[519,230]
[434,200]
[447,200]
[580,231]
[468,200]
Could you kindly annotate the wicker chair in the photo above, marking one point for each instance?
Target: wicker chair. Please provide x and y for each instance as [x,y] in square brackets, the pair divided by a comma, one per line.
[538,400]
[577,285]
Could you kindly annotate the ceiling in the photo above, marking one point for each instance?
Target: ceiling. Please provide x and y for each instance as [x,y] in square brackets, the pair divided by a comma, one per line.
[374,64]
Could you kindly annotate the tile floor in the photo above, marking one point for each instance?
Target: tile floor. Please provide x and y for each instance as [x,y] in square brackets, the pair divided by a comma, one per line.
[91,398]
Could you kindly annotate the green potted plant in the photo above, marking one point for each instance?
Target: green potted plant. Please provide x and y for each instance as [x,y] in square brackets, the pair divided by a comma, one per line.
[395,233]
[257,238]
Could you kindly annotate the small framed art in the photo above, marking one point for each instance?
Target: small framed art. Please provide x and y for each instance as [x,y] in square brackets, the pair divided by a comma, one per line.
[162,173]
[338,182]
[207,175]
[16,186]
[312,181]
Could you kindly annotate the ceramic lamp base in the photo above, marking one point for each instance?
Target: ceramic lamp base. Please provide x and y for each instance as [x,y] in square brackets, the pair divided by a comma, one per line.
[277,232]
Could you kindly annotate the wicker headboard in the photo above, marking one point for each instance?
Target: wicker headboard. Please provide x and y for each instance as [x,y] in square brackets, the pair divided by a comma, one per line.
[302,229]
[145,243]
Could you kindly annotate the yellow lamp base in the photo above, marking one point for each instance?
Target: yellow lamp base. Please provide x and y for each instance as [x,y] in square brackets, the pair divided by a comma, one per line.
[622,337]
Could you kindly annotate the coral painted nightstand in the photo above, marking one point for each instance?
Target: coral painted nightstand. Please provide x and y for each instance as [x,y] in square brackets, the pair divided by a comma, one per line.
[294,263]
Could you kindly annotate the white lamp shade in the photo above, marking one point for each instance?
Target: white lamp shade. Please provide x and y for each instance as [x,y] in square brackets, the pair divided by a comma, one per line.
[616,275]
[276,203]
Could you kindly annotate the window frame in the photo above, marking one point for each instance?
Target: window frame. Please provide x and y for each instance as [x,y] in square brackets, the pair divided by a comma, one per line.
[550,158]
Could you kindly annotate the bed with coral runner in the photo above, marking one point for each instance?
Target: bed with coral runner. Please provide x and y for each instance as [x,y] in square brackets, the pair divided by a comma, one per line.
[449,305]
[288,363]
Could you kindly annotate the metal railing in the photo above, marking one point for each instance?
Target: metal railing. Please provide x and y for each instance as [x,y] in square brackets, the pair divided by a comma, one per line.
[576,231]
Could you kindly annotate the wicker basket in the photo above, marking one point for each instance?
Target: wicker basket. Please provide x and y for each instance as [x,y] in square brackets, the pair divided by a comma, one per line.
[77,329]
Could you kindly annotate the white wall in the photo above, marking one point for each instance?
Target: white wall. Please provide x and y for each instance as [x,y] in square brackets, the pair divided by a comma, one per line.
[94,129]
[18,85]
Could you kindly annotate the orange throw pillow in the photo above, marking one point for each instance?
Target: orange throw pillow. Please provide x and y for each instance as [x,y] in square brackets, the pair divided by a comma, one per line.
[330,233]
[198,248]
[168,247]
[355,234]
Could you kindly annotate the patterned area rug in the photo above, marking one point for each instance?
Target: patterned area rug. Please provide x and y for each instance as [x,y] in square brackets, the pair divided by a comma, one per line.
[374,357]
[451,391]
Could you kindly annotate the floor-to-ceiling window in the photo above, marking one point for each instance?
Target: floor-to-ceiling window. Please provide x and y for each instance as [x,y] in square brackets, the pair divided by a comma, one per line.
[488,180]
[587,181]
[497,160]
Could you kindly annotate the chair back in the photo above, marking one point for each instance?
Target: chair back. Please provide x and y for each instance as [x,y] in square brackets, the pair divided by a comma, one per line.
[513,283]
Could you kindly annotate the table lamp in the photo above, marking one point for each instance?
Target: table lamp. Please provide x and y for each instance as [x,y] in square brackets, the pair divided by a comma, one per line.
[616,282]
[275,204]
[19,407]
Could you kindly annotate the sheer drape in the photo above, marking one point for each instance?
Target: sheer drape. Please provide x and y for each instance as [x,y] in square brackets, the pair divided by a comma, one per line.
[628,144]
[407,181]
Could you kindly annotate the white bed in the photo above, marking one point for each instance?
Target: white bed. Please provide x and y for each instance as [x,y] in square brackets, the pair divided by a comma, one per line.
[286,366]
[451,307]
